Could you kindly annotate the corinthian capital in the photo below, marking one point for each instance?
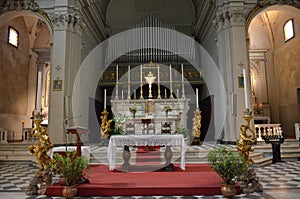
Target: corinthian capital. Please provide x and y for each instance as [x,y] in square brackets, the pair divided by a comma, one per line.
[66,20]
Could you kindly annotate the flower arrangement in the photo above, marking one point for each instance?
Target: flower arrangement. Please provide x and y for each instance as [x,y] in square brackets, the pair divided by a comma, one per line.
[119,121]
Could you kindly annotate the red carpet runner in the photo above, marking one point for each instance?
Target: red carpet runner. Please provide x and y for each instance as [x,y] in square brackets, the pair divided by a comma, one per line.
[197,179]
[148,155]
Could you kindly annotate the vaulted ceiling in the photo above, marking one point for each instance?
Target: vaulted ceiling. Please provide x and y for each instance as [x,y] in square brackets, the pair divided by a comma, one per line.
[186,15]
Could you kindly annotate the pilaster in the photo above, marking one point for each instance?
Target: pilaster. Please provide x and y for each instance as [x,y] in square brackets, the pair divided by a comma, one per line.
[233,56]
[65,61]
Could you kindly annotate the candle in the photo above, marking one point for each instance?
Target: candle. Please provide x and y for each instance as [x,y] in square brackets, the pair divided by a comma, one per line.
[246,89]
[170,74]
[39,92]
[141,74]
[182,73]
[122,94]
[117,74]
[158,74]
[129,74]
[104,99]
[165,93]
[177,93]
[128,88]
[197,103]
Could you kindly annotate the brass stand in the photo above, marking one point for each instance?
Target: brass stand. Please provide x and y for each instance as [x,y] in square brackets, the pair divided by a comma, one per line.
[197,127]
[249,183]
[44,144]
[43,177]
[105,124]
[245,142]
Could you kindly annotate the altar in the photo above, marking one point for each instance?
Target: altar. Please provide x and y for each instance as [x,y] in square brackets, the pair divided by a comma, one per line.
[145,112]
[145,140]
[150,116]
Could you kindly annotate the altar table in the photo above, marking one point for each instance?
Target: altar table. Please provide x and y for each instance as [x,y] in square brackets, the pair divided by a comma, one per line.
[85,150]
[144,140]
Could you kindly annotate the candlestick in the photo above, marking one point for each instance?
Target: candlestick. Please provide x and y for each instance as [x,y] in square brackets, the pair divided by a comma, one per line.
[197,102]
[247,104]
[39,92]
[104,99]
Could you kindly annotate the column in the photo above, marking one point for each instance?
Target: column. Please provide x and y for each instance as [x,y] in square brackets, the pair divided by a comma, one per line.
[65,61]
[232,49]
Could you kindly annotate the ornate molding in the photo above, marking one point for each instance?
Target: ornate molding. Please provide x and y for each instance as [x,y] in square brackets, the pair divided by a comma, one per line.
[10,5]
[66,20]
[264,3]
[230,17]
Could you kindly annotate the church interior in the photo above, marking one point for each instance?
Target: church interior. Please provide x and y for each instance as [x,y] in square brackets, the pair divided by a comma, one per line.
[191,74]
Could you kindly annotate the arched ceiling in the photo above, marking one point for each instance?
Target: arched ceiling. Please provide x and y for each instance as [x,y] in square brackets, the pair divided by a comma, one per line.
[263,27]
[124,14]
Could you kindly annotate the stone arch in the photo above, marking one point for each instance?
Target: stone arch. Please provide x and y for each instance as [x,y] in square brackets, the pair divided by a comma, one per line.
[99,59]
[29,77]
[282,65]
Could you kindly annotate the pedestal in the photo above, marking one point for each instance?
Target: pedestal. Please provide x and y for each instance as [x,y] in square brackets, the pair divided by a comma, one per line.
[276,141]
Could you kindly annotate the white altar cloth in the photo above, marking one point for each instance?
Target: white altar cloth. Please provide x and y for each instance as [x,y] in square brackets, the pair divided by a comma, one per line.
[144,140]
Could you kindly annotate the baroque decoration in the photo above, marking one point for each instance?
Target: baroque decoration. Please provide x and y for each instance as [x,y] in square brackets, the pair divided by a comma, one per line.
[10,5]
[264,3]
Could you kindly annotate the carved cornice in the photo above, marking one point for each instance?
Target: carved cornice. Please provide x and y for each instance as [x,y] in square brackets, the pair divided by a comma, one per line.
[264,3]
[10,5]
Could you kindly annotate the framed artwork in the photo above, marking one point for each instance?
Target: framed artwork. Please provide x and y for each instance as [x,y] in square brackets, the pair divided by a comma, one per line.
[57,85]
[241,81]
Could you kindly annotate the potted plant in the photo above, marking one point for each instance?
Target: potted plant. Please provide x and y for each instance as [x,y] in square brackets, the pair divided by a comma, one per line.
[229,165]
[73,169]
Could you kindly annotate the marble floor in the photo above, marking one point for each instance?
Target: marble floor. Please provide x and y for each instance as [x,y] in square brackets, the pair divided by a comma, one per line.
[280,181]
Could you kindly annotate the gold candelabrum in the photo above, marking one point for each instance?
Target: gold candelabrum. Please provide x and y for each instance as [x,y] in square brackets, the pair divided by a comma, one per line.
[247,138]
[197,126]
[105,124]
[44,144]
